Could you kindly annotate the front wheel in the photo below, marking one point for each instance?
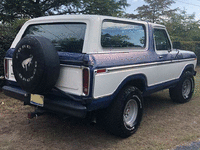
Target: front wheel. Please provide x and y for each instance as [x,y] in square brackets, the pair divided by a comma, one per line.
[183,91]
[124,115]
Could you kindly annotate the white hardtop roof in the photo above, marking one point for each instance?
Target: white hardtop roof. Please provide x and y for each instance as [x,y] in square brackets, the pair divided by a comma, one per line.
[157,25]
[58,18]
[95,21]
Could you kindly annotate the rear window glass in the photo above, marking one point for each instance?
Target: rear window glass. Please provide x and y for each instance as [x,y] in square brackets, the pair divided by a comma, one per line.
[121,34]
[66,37]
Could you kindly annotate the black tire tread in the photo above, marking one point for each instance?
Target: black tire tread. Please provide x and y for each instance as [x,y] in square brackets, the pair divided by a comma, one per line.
[176,92]
[111,118]
[45,54]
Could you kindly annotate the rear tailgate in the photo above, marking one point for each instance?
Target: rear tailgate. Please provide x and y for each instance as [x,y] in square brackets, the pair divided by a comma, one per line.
[71,73]
[70,79]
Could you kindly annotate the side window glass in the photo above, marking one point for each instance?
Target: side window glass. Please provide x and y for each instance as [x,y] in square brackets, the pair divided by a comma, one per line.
[161,40]
[122,35]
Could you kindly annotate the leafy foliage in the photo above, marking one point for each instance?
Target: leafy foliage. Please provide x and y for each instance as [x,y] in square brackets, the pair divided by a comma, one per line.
[11,9]
[7,35]
[5,41]
[192,46]
[183,27]
[104,7]
[154,11]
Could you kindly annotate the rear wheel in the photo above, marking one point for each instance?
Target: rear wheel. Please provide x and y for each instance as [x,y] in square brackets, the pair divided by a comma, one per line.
[124,115]
[183,91]
[130,113]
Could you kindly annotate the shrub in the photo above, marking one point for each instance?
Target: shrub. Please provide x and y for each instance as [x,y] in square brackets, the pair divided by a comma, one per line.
[7,35]
[192,46]
[6,38]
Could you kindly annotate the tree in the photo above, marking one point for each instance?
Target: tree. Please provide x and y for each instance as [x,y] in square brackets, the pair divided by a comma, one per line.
[104,7]
[183,27]
[7,34]
[154,11]
[11,9]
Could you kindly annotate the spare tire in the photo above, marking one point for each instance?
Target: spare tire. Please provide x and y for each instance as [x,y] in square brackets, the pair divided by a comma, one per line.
[36,64]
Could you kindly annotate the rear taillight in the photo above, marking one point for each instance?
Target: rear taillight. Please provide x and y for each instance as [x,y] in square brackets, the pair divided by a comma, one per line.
[6,67]
[86,77]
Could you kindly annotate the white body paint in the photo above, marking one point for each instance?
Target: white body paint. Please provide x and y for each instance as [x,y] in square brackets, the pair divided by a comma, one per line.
[104,84]
[70,80]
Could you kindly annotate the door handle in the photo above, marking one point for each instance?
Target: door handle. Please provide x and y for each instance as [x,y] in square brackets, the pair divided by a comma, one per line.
[160,57]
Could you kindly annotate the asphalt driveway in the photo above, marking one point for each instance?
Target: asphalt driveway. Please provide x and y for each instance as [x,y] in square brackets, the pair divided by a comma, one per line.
[192,146]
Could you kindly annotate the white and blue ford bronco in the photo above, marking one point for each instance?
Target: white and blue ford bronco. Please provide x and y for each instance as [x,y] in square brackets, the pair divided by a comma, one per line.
[79,64]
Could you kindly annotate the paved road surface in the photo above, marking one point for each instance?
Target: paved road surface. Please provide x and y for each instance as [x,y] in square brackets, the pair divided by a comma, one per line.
[192,146]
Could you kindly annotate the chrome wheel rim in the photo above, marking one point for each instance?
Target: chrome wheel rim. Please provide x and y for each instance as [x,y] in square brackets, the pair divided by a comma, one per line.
[130,113]
[186,88]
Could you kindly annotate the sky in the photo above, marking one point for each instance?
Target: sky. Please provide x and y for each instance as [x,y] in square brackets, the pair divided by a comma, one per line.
[191,6]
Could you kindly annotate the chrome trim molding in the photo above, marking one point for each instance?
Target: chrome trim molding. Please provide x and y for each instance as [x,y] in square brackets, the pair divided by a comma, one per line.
[72,66]
[146,65]
[7,58]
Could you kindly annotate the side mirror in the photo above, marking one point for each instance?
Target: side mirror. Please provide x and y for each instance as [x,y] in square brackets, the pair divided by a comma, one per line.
[176,45]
